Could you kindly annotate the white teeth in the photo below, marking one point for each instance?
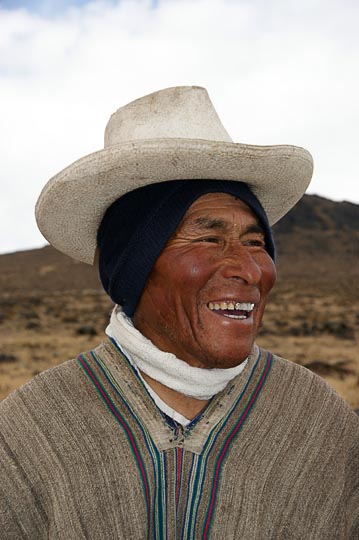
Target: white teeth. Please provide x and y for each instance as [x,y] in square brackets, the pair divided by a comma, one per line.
[244,306]
[239,306]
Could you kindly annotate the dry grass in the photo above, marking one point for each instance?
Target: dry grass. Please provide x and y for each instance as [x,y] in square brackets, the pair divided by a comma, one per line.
[41,330]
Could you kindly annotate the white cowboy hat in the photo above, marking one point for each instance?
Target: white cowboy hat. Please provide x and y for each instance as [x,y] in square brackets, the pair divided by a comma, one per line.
[173,134]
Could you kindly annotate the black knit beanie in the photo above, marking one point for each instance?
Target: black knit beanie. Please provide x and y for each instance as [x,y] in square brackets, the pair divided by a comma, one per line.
[137,226]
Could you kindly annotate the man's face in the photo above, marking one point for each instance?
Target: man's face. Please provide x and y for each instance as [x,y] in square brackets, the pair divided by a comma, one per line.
[215,261]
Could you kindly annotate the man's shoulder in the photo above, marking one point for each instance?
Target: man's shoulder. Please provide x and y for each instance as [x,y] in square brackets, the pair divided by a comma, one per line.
[59,389]
[50,381]
[309,391]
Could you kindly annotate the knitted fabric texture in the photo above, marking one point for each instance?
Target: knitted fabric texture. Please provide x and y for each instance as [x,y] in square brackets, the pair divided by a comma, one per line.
[138,225]
[86,455]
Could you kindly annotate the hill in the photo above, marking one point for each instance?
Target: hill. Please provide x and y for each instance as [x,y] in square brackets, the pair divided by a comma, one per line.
[317,241]
[52,307]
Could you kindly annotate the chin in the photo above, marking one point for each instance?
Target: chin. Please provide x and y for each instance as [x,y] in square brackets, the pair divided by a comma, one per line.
[224,359]
[227,352]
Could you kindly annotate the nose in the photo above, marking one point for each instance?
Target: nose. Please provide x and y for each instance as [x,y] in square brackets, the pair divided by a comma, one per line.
[238,263]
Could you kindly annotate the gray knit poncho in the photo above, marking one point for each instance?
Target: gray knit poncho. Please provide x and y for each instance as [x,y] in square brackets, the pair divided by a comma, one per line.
[86,454]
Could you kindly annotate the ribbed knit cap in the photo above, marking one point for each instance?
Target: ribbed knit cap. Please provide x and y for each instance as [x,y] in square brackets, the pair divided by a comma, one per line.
[137,226]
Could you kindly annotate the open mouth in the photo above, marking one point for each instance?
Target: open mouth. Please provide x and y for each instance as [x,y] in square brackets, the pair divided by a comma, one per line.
[232,309]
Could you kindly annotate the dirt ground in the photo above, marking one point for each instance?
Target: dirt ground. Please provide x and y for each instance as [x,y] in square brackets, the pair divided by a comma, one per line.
[41,330]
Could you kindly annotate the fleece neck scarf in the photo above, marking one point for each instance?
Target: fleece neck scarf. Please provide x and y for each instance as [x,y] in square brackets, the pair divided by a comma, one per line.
[166,368]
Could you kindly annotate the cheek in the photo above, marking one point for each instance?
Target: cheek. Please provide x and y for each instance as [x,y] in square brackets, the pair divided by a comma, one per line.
[269,275]
[193,268]
[185,270]
[196,270]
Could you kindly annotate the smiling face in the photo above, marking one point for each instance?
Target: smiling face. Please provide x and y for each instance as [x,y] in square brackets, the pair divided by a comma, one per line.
[205,297]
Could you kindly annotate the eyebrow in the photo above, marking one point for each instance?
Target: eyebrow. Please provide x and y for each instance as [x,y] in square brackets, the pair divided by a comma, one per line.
[208,223]
[254,228]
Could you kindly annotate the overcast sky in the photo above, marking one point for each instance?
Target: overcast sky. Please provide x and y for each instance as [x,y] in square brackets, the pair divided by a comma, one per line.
[278,72]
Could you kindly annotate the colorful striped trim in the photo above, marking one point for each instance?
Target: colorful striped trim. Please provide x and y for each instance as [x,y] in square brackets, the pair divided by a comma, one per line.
[128,431]
[156,496]
[229,441]
[157,516]
[200,463]
[178,474]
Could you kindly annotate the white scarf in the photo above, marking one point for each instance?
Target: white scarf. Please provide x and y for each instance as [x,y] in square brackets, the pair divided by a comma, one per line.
[164,367]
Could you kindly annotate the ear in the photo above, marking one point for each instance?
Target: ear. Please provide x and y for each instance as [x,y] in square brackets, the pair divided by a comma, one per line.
[96,257]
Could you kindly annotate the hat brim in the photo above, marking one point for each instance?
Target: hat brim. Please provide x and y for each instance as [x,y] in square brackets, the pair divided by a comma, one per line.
[72,204]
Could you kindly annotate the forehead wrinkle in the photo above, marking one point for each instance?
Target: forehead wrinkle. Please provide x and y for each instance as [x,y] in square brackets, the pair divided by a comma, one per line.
[208,223]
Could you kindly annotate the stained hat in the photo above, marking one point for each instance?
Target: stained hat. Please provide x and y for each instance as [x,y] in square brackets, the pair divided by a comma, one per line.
[172,134]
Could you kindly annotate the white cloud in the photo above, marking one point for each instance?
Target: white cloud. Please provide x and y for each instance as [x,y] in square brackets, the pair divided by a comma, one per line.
[278,72]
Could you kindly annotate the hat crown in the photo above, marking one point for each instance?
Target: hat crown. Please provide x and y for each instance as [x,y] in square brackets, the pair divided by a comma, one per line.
[184,112]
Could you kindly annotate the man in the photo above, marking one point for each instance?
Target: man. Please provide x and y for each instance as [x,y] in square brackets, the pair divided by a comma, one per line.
[178,425]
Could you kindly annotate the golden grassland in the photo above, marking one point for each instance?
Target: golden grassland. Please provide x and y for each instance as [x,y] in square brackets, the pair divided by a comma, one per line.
[39,330]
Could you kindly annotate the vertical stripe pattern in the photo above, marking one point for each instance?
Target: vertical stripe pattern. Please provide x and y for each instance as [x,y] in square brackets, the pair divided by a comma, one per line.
[227,443]
[174,481]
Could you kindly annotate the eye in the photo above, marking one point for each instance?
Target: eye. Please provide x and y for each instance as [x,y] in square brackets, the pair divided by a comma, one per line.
[256,242]
[208,239]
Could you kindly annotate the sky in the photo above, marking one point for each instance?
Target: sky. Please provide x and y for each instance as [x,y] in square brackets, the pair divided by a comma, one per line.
[278,72]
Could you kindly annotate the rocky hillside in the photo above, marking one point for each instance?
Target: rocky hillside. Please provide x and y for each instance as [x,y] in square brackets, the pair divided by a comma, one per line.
[317,244]
[52,307]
